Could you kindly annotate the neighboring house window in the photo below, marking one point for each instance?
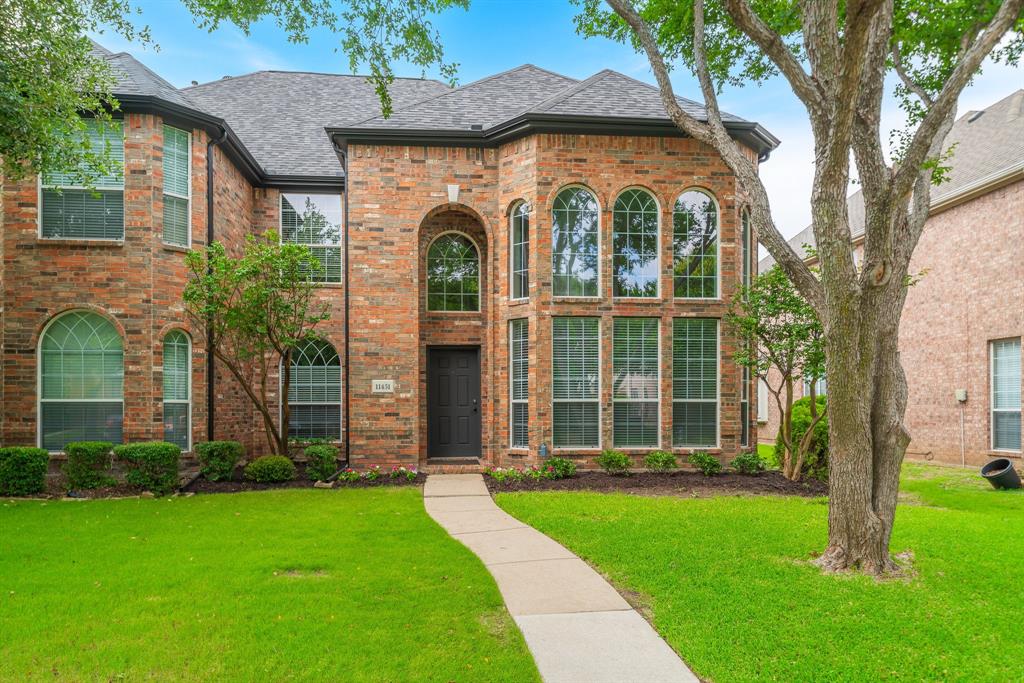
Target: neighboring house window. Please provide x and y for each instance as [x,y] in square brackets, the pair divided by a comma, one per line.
[576,371]
[70,211]
[574,255]
[81,379]
[762,401]
[635,245]
[695,382]
[635,382]
[745,406]
[519,378]
[521,251]
[314,220]
[177,389]
[820,387]
[1006,394]
[177,187]
[745,266]
[695,246]
[453,274]
[314,392]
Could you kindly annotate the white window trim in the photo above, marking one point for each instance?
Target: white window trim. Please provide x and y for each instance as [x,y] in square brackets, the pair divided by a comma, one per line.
[745,376]
[39,379]
[479,274]
[511,383]
[188,401]
[992,395]
[657,246]
[188,243]
[336,245]
[718,246]
[512,250]
[762,401]
[656,401]
[718,389]
[551,235]
[600,391]
[746,249]
[280,402]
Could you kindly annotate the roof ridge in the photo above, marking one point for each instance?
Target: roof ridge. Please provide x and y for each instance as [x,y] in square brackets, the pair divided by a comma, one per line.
[563,95]
[658,90]
[461,88]
[308,73]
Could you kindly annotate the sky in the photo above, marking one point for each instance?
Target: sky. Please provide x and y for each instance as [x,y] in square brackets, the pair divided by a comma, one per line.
[495,35]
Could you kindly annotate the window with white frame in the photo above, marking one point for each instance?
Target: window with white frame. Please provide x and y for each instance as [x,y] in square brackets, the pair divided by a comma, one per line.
[70,210]
[635,245]
[576,390]
[520,244]
[314,220]
[746,251]
[177,187]
[453,274]
[695,382]
[574,243]
[1006,414]
[81,381]
[695,246]
[520,382]
[635,382]
[178,389]
[314,392]
[745,406]
[820,387]
[762,401]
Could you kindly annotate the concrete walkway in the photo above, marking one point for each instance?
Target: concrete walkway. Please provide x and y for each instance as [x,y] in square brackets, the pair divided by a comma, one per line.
[577,626]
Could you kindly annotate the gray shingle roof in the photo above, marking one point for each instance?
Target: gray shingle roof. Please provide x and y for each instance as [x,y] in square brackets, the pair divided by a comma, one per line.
[135,78]
[280,116]
[986,145]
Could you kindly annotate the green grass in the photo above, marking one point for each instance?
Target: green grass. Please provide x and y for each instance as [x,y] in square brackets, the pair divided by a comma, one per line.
[727,583]
[355,585]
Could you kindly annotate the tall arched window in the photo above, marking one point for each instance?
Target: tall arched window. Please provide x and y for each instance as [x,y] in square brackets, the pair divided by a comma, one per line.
[453,274]
[635,245]
[81,381]
[520,248]
[574,239]
[695,246]
[314,392]
[178,389]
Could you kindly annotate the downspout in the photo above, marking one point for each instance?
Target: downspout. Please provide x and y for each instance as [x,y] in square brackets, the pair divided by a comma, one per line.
[211,371]
[342,152]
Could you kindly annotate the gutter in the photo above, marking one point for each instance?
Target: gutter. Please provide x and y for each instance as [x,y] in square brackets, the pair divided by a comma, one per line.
[341,148]
[211,370]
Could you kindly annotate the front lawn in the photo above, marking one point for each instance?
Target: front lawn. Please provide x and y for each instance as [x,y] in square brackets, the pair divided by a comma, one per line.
[727,583]
[353,585]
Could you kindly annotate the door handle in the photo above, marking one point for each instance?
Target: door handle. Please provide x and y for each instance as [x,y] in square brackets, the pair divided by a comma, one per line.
[474,405]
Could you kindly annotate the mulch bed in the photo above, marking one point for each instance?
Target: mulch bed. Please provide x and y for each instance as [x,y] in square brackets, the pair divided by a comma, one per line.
[679,483]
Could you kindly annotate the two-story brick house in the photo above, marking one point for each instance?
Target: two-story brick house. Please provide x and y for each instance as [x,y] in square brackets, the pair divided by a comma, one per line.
[525,264]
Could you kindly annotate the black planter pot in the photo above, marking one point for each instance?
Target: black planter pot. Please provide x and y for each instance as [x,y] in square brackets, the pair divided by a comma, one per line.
[1000,474]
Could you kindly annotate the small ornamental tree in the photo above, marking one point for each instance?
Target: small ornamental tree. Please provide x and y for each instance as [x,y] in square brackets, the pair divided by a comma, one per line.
[785,334]
[252,311]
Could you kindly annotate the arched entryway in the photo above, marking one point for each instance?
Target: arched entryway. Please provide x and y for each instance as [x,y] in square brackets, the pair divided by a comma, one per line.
[453,272]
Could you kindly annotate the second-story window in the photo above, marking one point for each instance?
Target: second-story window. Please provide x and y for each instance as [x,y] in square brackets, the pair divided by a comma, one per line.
[177,187]
[520,245]
[695,246]
[574,251]
[635,245]
[70,210]
[314,220]
[453,274]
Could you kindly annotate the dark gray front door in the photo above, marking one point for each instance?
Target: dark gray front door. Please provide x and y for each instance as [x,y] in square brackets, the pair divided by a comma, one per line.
[453,402]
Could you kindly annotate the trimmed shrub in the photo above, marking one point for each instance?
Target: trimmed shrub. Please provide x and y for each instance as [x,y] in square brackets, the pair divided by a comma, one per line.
[270,468]
[559,468]
[22,470]
[706,463]
[152,466]
[614,462]
[218,459]
[816,462]
[660,461]
[88,465]
[321,461]
[505,474]
[748,463]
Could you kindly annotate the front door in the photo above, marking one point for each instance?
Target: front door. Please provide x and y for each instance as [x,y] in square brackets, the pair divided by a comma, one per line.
[453,402]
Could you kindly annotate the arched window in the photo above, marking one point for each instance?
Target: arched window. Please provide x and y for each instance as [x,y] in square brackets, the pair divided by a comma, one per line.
[635,245]
[81,381]
[314,392]
[574,239]
[520,248]
[695,246]
[453,274]
[178,389]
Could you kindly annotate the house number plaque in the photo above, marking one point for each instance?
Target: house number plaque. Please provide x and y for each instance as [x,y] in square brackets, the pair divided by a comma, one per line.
[383,386]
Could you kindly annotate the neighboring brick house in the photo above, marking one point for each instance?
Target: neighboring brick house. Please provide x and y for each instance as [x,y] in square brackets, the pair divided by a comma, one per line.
[525,264]
[960,337]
